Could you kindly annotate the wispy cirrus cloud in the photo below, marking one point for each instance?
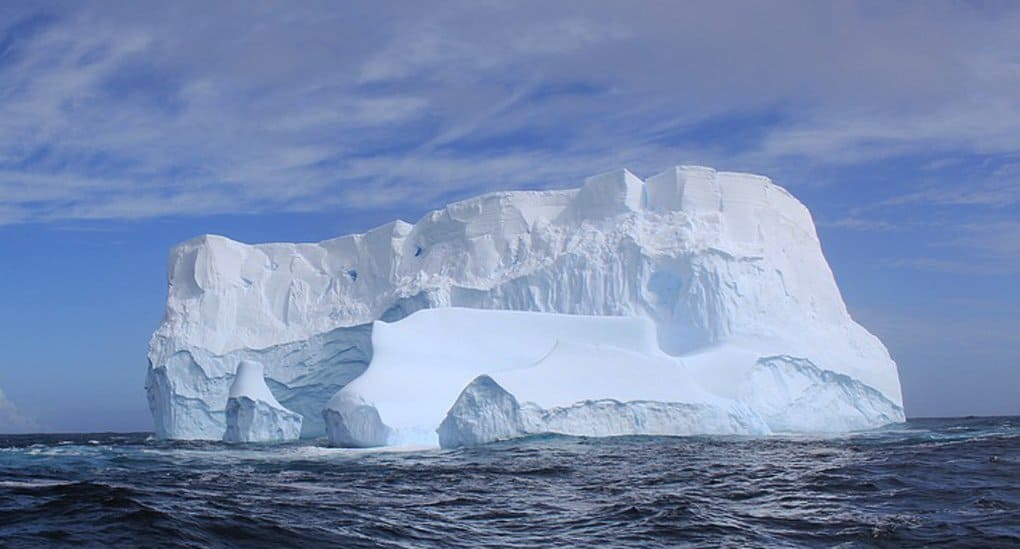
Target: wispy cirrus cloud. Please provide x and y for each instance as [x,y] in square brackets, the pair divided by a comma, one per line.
[963,222]
[1000,188]
[128,111]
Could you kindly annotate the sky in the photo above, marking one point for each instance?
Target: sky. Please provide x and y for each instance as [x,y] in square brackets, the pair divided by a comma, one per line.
[128,127]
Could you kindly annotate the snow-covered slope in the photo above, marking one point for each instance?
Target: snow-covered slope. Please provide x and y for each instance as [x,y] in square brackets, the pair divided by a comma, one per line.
[722,264]
[423,363]
[454,377]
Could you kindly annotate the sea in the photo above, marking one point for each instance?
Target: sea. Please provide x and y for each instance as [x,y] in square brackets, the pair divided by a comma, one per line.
[927,482]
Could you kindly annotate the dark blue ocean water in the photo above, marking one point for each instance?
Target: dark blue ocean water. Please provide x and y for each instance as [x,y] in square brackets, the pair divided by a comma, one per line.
[928,482]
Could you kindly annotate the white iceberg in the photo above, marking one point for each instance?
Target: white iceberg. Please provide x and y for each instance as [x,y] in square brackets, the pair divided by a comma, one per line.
[726,267]
[253,413]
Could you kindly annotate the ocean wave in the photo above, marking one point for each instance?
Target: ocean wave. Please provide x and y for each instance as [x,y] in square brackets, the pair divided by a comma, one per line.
[925,482]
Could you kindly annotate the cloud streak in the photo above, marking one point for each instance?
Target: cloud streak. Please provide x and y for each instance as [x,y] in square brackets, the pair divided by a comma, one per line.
[122,112]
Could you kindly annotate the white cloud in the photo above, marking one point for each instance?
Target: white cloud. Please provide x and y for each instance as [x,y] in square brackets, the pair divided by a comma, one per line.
[858,224]
[113,111]
[983,248]
[995,244]
[13,421]
[998,189]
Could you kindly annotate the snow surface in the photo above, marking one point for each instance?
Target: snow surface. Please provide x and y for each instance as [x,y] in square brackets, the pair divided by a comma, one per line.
[455,376]
[722,264]
[423,362]
[253,413]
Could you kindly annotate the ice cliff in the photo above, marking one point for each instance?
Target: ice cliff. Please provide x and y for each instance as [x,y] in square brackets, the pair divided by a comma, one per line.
[725,270]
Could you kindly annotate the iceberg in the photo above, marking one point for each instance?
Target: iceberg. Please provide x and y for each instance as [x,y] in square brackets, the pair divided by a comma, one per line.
[253,413]
[718,278]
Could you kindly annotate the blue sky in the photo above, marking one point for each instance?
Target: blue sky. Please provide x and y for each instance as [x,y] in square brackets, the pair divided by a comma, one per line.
[127,127]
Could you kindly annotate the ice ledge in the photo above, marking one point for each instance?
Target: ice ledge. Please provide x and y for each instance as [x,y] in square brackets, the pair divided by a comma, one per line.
[780,394]
[485,412]
[794,395]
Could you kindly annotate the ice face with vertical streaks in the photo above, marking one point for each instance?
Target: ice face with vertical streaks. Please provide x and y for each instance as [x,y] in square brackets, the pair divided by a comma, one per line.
[726,268]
